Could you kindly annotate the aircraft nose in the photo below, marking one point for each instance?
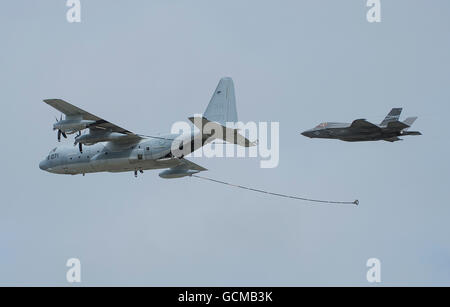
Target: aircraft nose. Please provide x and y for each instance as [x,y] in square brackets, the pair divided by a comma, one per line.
[42,165]
[306,133]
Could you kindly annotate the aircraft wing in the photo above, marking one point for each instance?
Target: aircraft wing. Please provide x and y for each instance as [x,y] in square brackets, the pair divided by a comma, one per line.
[186,164]
[364,124]
[69,109]
[393,139]
[99,124]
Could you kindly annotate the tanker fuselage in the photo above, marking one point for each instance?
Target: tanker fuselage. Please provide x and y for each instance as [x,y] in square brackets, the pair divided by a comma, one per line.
[108,157]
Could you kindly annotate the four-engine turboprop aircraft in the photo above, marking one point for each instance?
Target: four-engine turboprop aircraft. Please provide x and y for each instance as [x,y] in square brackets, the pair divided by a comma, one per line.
[114,149]
[361,130]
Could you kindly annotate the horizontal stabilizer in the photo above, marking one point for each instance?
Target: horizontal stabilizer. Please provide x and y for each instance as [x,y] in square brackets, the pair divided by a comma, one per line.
[397,125]
[216,130]
[411,133]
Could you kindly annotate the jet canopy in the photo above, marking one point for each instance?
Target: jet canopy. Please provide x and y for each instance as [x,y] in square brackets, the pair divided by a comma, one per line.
[321,125]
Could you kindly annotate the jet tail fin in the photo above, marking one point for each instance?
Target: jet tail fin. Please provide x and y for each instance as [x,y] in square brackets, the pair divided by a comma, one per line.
[392,116]
[222,106]
[410,121]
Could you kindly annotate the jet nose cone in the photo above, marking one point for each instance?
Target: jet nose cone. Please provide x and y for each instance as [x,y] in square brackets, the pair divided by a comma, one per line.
[42,165]
[306,133]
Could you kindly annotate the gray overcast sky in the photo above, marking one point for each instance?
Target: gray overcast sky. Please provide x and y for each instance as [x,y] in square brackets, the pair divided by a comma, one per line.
[145,64]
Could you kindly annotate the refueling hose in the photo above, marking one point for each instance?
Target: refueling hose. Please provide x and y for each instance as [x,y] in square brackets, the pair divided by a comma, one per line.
[356,202]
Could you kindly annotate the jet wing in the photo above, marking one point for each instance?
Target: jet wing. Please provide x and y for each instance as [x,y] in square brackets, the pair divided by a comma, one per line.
[364,124]
[393,139]
[99,124]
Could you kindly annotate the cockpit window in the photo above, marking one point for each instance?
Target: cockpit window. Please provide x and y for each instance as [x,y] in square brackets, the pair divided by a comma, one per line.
[322,125]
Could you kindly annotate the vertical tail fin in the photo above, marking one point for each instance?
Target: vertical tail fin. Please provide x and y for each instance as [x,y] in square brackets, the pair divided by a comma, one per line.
[393,115]
[409,121]
[221,110]
[222,106]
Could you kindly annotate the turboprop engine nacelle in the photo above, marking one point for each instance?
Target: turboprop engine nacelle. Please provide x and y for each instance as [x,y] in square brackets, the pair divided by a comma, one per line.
[93,138]
[72,125]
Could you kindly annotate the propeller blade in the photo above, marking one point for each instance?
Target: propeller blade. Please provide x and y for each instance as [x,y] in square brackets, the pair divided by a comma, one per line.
[80,146]
[64,134]
[59,135]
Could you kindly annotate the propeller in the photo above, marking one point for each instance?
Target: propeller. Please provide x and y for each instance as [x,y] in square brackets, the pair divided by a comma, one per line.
[60,132]
[80,145]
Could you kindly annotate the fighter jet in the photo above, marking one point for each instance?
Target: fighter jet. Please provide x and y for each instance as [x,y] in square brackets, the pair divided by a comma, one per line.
[110,148]
[361,130]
